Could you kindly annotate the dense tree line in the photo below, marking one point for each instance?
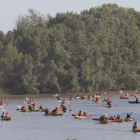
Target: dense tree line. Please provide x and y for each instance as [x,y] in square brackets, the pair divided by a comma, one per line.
[98,49]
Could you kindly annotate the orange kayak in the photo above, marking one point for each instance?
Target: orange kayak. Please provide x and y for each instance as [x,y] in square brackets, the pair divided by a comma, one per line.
[120,120]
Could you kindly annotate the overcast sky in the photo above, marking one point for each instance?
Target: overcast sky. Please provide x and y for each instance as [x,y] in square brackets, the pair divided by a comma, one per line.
[11,9]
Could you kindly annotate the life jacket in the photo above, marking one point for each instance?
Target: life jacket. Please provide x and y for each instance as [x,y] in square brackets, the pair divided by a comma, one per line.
[135,126]
[7,116]
[85,114]
[3,116]
[80,114]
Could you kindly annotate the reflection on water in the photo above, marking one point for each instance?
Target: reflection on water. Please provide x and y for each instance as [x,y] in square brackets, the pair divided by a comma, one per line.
[35,125]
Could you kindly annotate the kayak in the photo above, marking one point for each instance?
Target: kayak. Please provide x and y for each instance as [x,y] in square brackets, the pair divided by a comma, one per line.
[94,96]
[80,117]
[109,106]
[34,107]
[24,110]
[137,96]
[89,98]
[128,119]
[137,130]
[59,98]
[58,114]
[124,97]
[110,118]
[105,122]
[10,118]
[120,92]
[120,120]
[97,101]
[133,102]
[71,99]
[103,92]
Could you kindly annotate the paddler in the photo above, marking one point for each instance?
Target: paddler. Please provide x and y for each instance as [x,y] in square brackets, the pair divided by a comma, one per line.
[47,111]
[3,115]
[64,108]
[137,100]
[55,111]
[82,97]
[135,126]
[7,115]
[85,113]
[97,99]
[41,107]
[23,108]
[114,118]
[80,113]
[102,118]
[118,117]
[128,115]
[30,108]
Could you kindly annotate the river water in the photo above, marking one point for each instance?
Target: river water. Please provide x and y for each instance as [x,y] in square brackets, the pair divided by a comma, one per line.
[37,126]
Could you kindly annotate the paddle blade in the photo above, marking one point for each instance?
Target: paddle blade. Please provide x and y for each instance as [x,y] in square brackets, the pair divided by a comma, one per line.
[90,115]
[116,105]
[27,99]
[3,110]
[69,105]
[110,96]
[19,106]
[57,106]
[102,105]
[6,99]
[17,109]
[73,114]
[24,102]
[70,110]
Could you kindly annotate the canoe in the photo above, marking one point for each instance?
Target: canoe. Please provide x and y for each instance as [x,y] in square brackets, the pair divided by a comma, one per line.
[34,106]
[58,114]
[133,102]
[43,110]
[80,117]
[128,119]
[120,120]
[97,101]
[124,97]
[109,106]
[89,98]
[105,122]
[24,110]
[10,118]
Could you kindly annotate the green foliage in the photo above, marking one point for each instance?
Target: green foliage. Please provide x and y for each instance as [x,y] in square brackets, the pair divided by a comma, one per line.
[95,50]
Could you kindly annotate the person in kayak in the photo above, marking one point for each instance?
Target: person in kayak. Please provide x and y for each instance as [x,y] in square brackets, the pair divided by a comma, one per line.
[135,126]
[64,109]
[85,113]
[47,112]
[102,118]
[128,115]
[82,97]
[114,118]
[55,111]
[137,100]
[34,104]
[89,96]
[23,108]
[41,107]
[80,113]
[7,115]
[109,103]
[30,108]
[118,117]
[97,99]
[3,115]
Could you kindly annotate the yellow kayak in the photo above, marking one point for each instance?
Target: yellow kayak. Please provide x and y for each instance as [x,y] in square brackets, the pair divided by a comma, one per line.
[34,107]
[80,117]
[105,122]
[120,92]
[128,119]
[97,101]
[120,120]
[89,98]
[58,114]
[24,110]
[10,118]
[109,106]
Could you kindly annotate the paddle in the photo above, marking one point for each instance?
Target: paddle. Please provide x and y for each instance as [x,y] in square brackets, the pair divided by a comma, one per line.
[69,105]
[27,99]
[70,110]
[3,110]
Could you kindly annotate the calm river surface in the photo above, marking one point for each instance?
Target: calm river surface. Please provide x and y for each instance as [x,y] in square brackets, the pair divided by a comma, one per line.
[36,126]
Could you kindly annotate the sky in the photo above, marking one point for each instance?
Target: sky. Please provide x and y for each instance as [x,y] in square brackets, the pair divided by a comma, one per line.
[11,9]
